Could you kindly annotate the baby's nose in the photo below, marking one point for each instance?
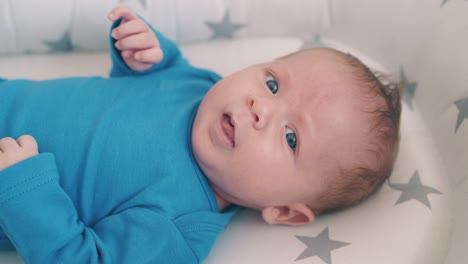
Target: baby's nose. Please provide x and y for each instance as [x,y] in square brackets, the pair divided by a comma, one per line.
[261,110]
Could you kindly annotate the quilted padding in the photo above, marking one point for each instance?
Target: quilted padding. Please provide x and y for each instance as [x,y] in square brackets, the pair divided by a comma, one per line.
[82,25]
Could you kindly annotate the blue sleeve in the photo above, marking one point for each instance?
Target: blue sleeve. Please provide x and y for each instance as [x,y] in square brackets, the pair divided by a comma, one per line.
[42,223]
[171,56]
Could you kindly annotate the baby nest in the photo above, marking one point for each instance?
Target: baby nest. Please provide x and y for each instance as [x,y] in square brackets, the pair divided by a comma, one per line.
[416,217]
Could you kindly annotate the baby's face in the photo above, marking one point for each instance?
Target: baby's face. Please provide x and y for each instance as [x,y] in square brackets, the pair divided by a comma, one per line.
[271,134]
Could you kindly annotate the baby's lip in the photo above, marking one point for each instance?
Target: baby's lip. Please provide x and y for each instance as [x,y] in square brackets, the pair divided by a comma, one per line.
[228,126]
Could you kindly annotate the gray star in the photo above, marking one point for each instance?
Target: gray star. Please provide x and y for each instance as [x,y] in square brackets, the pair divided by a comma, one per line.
[462,106]
[311,42]
[409,90]
[443,2]
[225,28]
[414,190]
[62,45]
[320,246]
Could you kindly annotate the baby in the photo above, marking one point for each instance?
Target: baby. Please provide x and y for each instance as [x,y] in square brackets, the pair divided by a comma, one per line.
[149,165]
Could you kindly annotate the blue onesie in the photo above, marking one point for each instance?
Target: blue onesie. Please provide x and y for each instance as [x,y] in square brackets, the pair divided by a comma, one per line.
[115,180]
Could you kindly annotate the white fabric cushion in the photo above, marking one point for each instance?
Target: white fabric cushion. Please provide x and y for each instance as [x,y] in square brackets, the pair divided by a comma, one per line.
[68,25]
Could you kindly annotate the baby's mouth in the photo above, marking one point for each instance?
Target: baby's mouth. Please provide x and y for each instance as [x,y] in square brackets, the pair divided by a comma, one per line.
[228,128]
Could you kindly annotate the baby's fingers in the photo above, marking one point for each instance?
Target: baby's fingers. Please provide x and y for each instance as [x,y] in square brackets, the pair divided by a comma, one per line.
[123,12]
[130,28]
[7,144]
[135,64]
[27,142]
[139,41]
[151,56]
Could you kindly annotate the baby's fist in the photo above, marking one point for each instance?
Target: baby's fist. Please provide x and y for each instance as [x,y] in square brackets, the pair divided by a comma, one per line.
[138,44]
[14,151]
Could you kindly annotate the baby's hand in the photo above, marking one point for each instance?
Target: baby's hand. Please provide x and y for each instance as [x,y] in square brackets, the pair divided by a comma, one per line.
[13,151]
[135,39]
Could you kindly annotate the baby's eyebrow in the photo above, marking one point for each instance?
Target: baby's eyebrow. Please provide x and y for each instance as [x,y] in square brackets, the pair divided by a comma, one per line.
[306,135]
[271,69]
[282,73]
[299,140]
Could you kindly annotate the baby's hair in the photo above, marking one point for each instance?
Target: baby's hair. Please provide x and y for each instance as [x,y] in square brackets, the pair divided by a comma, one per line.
[353,185]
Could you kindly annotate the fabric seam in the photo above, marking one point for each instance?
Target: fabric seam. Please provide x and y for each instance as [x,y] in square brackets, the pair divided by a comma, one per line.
[39,184]
[24,181]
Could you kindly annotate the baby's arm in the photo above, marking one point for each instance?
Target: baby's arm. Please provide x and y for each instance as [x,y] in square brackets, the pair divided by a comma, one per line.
[132,37]
[42,222]
[14,151]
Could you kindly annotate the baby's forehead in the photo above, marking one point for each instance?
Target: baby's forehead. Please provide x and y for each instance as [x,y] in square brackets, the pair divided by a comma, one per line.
[316,64]
[318,71]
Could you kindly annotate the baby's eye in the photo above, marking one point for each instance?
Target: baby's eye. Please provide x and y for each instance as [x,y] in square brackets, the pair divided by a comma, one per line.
[291,138]
[272,84]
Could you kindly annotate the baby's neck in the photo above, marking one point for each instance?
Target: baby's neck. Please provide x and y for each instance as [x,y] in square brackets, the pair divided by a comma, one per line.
[222,204]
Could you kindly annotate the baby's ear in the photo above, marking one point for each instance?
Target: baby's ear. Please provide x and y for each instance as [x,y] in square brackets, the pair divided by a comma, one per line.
[295,214]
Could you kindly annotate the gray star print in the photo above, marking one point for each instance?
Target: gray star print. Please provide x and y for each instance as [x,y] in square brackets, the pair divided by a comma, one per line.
[462,106]
[414,190]
[320,246]
[225,28]
[62,45]
[410,88]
